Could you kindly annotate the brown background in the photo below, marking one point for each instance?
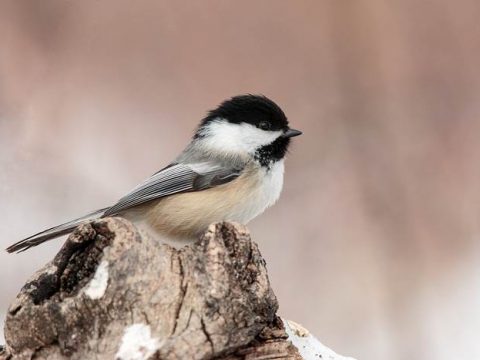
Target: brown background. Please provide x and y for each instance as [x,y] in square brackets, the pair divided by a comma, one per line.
[374,243]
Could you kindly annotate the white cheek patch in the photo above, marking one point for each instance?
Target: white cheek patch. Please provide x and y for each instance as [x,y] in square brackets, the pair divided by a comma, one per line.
[220,135]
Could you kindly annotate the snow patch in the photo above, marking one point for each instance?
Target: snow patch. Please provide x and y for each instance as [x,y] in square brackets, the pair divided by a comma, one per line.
[97,286]
[308,346]
[137,343]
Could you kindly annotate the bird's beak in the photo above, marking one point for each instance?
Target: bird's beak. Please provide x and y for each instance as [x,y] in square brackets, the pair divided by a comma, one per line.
[291,133]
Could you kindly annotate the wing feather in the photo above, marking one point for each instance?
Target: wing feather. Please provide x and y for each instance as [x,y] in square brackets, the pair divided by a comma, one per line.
[174,179]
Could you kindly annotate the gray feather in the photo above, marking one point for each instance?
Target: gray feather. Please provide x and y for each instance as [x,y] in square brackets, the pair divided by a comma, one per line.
[174,179]
[53,232]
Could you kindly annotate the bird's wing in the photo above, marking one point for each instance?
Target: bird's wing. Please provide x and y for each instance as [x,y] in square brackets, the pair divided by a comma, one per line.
[173,179]
[176,178]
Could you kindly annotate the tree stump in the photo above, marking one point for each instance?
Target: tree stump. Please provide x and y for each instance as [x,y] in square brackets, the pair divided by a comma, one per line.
[113,293]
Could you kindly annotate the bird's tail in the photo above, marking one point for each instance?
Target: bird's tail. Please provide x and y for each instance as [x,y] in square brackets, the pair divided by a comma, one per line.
[53,232]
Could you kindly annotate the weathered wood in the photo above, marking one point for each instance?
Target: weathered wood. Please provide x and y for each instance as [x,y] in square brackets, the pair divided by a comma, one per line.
[112,292]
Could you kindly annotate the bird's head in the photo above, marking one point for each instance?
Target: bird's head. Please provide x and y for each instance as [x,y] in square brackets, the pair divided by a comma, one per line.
[247,125]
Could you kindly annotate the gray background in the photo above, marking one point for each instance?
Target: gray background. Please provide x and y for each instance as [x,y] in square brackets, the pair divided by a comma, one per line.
[374,243]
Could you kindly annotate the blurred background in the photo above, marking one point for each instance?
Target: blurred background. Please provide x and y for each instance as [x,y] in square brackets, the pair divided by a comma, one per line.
[374,245]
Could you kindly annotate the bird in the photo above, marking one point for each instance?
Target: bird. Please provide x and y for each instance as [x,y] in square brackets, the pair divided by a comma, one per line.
[232,170]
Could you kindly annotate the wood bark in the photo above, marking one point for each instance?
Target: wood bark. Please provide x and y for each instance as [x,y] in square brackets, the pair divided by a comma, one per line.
[114,293]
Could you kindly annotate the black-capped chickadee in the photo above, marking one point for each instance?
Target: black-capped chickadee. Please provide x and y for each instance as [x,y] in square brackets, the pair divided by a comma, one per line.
[231,170]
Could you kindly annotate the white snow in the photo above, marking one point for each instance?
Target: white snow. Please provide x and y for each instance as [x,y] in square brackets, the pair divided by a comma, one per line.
[137,343]
[308,346]
[97,286]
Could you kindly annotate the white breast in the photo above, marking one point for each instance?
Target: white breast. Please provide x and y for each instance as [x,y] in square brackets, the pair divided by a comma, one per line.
[264,194]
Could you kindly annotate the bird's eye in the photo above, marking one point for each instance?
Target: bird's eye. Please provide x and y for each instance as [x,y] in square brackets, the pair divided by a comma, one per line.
[264,125]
